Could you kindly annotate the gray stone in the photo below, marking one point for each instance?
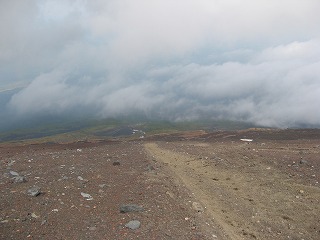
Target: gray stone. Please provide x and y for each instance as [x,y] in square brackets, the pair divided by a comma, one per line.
[150,168]
[134,224]
[303,161]
[197,206]
[87,196]
[13,173]
[19,179]
[34,191]
[130,208]
[116,163]
[34,215]
[11,163]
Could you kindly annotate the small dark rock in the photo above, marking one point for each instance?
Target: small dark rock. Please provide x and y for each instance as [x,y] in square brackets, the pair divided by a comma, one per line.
[303,162]
[116,163]
[131,208]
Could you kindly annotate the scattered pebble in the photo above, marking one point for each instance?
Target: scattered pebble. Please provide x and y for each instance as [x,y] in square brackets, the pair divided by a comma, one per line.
[303,161]
[19,179]
[170,194]
[87,196]
[13,173]
[131,208]
[134,224]
[150,168]
[197,206]
[34,191]
[80,178]
[10,164]
[34,215]
[246,140]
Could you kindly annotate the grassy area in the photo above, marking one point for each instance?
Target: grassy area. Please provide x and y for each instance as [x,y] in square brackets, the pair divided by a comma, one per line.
[95,129]
[207,125]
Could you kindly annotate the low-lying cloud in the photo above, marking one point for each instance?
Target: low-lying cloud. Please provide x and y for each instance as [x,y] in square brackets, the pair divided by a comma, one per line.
[180,60]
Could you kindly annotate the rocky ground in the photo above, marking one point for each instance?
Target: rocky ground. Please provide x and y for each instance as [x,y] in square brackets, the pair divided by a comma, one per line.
[191,185]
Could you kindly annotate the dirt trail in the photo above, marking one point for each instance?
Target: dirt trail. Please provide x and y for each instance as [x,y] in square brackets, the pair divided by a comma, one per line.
[247,197]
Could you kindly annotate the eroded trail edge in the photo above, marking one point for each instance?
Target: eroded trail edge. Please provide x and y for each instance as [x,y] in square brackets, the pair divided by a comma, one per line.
[247,200]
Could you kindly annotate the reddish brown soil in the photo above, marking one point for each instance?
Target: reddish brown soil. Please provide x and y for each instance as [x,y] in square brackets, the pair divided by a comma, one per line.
[265,189]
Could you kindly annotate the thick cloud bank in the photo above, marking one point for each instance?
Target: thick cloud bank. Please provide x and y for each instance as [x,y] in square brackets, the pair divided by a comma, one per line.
[176,60]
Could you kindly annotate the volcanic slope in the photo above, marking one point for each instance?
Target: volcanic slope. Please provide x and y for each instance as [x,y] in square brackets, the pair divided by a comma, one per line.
[266,189]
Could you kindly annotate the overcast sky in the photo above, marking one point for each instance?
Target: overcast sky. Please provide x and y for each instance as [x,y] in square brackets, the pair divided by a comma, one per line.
[257,61]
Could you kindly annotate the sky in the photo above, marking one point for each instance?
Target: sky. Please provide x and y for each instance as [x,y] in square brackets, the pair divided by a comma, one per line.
[253,61]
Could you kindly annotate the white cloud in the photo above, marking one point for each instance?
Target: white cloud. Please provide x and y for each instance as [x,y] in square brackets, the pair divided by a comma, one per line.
[250,60]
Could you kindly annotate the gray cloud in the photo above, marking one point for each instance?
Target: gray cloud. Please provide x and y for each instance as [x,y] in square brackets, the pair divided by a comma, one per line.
[178,60]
